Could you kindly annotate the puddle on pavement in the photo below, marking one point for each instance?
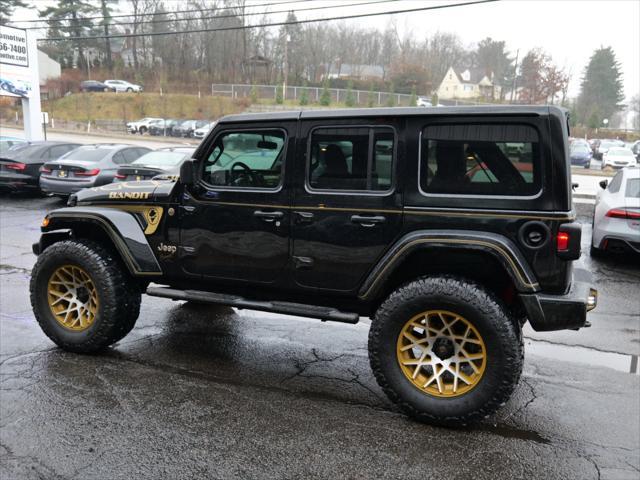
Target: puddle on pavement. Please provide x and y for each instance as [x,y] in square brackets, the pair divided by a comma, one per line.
[617,361]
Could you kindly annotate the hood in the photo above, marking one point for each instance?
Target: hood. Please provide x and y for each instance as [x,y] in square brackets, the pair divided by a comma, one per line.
[146,191]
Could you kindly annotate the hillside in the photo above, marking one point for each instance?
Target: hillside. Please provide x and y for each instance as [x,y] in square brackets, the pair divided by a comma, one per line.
[82,107]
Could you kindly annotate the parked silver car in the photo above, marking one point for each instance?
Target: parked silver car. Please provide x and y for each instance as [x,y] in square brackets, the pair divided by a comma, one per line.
[87,166]
[616,219]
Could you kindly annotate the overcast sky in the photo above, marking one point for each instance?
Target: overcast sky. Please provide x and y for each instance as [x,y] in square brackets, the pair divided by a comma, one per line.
[569,30]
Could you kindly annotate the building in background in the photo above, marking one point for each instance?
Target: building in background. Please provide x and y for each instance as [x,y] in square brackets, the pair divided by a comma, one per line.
[468,84]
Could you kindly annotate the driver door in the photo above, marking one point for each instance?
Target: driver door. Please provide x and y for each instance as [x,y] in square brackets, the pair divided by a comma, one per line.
[235,221]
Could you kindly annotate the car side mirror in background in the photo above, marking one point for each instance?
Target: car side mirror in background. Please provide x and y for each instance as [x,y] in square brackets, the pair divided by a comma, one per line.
[603,184]
[187,172]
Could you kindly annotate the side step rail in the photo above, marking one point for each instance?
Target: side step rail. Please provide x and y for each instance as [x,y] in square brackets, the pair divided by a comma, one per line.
[286,308]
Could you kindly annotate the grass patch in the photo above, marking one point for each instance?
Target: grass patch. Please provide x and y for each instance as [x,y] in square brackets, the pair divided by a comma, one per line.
[83,107]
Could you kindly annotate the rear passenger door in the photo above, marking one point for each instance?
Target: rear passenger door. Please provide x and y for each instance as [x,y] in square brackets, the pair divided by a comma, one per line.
[347,209]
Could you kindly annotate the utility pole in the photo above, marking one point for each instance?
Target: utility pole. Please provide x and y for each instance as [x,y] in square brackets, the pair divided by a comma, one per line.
[285,66]
[515,76]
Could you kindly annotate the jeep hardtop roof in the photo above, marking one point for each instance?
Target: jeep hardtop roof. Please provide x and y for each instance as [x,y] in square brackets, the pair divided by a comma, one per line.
[532,110]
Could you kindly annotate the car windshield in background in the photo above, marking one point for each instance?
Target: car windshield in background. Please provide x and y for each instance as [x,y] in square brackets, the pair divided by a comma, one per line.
[606,145]
[88,154]
[633,188]
[580,149]
[621,152]
[21,151]
[160,159]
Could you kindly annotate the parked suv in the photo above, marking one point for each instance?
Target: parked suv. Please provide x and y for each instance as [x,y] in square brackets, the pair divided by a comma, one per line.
[449,228]
[142,126]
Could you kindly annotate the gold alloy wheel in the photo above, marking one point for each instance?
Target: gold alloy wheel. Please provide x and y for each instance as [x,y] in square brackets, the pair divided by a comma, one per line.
[72,297]
[441,353]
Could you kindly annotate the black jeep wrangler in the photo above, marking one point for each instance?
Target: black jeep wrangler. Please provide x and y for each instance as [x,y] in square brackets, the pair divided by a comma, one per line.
[449,227]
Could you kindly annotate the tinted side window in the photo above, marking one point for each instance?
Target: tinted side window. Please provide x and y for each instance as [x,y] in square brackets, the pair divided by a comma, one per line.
[130,154]
[633,188]
[119,158]
[247,159]
[355,159]
[480,159]
[616,182]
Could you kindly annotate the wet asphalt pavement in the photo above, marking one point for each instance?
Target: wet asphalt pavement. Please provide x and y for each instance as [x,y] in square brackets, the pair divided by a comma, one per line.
[212,392]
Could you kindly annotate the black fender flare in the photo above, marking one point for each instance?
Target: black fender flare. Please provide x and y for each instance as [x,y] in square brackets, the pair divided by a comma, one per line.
[498,246]
[122,228]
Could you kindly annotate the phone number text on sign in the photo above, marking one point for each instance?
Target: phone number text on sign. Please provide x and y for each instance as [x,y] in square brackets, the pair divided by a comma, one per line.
[13,47]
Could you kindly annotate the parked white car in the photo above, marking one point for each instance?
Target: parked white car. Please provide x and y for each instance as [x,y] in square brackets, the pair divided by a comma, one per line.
[619,157]
[616,219]
[202,131]
[123,86]
[141,126]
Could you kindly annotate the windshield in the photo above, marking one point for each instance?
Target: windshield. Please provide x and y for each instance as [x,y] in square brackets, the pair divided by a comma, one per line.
[580,149]
[87,154]
[160,159]
[21,151]
[623,152]
[606,145]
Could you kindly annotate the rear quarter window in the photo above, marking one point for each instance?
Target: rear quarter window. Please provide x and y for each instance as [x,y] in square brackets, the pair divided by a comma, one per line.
[480,159]
[633,188]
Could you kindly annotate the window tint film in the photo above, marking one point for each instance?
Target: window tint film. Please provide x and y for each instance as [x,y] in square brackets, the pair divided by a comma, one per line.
[356,159]
[480,160]
[246,159]
[616,183]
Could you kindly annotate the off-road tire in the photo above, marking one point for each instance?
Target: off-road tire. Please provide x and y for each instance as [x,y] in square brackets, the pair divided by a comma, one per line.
[119,295]
[502,336]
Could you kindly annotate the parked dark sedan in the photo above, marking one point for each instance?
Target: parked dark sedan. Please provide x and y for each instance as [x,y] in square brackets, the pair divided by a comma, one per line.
[20,166]
[87,166]
[164,161]
[163,127]
[95,86]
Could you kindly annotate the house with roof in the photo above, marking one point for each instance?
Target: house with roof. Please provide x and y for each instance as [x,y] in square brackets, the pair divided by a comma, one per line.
[468,84]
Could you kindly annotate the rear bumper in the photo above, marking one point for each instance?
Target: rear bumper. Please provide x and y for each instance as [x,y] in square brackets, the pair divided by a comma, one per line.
[562,312]
[17,182]
[63,187]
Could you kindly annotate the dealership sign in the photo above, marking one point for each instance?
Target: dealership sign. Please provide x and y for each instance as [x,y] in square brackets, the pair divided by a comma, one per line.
[15,77]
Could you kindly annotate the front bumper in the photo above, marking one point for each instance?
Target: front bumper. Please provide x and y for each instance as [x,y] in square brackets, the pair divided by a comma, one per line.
[562,312]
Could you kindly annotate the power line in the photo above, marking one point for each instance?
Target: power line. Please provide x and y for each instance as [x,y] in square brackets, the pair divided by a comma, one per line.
[102,17]
[277,24]
[246,14]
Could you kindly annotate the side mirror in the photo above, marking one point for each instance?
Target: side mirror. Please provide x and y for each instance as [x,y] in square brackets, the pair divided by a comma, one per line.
[188,172]
[603,184]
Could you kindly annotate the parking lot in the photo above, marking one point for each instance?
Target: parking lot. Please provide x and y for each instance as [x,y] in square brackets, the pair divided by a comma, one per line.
[211,392]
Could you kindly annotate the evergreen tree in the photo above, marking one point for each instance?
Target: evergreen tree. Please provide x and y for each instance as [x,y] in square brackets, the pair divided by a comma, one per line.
[325,97]
[370,97]
[304,96]
[601,89]
[7,7]
[279,97]
[391,98]
[350,100]
[254,93]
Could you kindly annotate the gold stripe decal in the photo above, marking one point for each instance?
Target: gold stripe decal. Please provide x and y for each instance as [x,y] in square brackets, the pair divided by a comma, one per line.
[561,216]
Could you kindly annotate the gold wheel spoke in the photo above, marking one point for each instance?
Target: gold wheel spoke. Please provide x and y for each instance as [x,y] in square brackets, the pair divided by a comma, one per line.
[66,290]
[435,332]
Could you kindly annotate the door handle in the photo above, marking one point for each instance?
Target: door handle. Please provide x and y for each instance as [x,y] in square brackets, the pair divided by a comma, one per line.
[188,208]
[304,217]
[268,216]
[368,221]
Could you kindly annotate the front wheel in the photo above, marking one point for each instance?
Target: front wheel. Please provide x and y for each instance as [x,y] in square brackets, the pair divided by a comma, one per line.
[445,350]
[82,296]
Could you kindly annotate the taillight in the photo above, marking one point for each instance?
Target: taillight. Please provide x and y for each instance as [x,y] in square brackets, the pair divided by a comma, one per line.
[44,169]
[88,173]
[562,241]
[16,166]
[120,176]
[623,213]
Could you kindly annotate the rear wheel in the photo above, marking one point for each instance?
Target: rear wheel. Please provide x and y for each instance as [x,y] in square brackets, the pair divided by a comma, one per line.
[445,350]
[142,130]
[82,296]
